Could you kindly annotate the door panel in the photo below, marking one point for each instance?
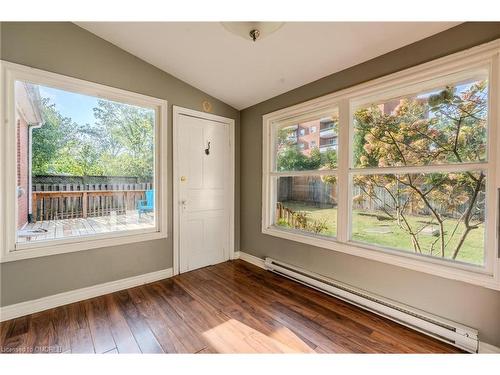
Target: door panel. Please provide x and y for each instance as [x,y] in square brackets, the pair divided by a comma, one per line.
[203,241]
[214,166]
[194,158]
[203,192]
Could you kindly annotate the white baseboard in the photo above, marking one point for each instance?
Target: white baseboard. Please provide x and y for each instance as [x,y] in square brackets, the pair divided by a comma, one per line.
[256,261]
[45,303]
[485,348]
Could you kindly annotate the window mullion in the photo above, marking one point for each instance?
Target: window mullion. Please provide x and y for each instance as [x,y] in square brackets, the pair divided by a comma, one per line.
[435,168]
[343,211]
[312,172]
[492,253]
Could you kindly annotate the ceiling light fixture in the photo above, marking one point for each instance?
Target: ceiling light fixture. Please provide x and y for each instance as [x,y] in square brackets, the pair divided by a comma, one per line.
[254,34]
[252,30]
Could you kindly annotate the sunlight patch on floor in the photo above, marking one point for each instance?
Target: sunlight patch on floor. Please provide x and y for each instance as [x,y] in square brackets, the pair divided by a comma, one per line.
[233,336]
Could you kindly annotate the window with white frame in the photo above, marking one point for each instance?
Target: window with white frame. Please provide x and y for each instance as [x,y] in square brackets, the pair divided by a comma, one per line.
[85,162]
[305,182]
[432,201]
[415,177]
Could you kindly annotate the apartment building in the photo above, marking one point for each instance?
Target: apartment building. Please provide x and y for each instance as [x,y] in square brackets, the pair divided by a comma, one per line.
[320,134]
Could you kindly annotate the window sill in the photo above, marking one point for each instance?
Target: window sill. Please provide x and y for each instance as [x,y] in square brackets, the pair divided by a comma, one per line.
[48,248]
[469,274]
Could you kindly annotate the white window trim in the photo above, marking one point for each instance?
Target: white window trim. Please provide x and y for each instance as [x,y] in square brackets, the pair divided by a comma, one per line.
[11,72]
[486,55]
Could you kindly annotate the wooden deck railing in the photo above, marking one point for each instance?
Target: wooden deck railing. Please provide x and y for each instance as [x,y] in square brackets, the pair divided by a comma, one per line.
[53,205]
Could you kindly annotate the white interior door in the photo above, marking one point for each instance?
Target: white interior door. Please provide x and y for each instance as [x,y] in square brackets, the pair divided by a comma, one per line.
[204,182]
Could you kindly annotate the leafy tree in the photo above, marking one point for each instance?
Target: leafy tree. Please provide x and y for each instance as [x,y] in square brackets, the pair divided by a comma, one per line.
[79,159]
[128,142]
[291,158]
[50,138]
[119,143]
[447,127]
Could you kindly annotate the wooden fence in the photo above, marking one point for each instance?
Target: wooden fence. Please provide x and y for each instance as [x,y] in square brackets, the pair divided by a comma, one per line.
[385,200]
[307,189]
[298,219]
[285,215]
[57,179]
[65,201]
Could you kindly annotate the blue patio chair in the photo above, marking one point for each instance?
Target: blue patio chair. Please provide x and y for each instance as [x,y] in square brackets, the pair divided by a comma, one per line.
[148,204]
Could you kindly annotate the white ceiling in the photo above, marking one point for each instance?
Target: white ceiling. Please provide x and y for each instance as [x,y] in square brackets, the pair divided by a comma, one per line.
[242,73]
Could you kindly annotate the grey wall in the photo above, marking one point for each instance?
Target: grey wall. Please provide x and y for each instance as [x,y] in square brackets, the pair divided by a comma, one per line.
[70,50]
[475,306]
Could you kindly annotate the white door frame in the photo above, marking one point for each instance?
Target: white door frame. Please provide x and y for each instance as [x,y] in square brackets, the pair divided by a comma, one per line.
[177,112]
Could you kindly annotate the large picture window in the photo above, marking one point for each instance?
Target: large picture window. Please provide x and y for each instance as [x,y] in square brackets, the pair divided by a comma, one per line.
[438,212]
[85,162]
[403,169]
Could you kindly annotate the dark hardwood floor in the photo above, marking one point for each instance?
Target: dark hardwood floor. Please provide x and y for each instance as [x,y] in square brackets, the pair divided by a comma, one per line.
[233,307]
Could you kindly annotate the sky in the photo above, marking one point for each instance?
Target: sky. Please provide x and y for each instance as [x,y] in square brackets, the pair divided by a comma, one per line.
[460,88]
[77,106]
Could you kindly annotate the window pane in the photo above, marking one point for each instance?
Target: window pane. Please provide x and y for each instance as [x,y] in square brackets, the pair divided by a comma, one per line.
[310,145]
[434,214]
[85,165]
[448,125]
[307,203]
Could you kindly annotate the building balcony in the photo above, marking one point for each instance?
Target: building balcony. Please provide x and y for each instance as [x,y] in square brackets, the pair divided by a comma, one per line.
[326,146]
[328,129]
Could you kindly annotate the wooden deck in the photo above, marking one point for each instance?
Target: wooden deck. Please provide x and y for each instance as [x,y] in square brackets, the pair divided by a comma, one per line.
[232,307]
[64,228]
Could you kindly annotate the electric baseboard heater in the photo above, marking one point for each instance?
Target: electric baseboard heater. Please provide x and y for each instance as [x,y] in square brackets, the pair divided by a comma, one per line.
[455,334]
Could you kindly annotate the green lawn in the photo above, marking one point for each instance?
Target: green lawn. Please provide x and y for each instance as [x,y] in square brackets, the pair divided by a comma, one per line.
[387,233]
